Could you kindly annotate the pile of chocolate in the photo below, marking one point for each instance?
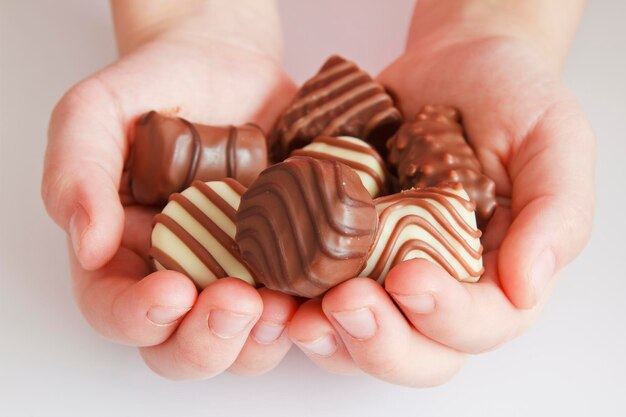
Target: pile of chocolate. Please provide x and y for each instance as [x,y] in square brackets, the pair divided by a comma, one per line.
[321,204]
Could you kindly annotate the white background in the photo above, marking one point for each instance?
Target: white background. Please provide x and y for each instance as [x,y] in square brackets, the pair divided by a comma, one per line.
[572,362]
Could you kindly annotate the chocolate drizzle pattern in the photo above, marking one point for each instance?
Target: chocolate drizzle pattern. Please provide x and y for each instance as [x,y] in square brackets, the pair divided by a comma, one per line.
[433,149]
[340,100]
[355,153]
[195,233]
[169,153]
[437,224]
[306,225]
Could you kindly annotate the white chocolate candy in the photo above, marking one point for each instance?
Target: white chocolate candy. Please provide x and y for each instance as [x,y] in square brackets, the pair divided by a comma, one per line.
[437,224]
[353,152]
[195,233]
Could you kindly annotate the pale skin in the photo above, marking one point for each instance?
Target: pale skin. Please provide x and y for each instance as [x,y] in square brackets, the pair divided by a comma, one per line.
[498,61]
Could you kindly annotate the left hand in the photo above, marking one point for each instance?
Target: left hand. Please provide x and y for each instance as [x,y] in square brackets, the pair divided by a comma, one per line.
[534,141]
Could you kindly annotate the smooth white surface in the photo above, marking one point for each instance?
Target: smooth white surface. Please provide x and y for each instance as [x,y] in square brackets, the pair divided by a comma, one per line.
[571,363]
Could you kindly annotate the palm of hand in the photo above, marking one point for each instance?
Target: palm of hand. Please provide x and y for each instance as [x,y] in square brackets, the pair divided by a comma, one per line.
[532,139]
[86,191]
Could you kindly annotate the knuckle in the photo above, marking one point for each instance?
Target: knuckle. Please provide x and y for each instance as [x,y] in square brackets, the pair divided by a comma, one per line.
[195,361]
[380,365]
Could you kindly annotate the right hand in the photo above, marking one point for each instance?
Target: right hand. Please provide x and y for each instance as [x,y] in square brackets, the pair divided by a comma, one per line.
[181,335]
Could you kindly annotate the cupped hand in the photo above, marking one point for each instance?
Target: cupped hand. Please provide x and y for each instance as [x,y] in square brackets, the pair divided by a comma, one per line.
[182,335]
[535,142]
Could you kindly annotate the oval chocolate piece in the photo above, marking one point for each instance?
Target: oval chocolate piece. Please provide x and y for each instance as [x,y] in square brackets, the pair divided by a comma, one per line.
[306,225]
[195,233]
[169,153]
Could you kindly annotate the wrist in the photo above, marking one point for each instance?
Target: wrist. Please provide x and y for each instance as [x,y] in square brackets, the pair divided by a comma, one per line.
[246,24]
[547,27]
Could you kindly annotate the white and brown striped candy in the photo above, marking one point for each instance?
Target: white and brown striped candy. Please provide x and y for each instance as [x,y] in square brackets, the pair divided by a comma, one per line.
[353,152]
[195,232]
[437,224]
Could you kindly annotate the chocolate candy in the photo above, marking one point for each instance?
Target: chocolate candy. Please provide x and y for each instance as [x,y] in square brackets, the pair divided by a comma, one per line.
[353,152]
[437,224]
[432,150]
[305,225]
[340,100]
[195,232]
[170,152]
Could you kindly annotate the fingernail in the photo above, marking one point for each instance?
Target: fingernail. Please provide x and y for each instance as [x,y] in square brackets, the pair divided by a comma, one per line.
[359,324]
[266,332]
[163,316]
[322,346]
[542,272]
[226,324]
[78,223]
[419,303]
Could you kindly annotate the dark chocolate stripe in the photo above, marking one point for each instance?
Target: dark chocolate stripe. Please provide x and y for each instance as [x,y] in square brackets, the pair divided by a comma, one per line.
[429,228]
[272,212]
[166,260]
[235,185]
[413,245]
[344,101]
[329,74]
[365,104]
[226,241]
[195,155]
[216,199]
[439,196]
[231,157]
[196,248]
[352,163]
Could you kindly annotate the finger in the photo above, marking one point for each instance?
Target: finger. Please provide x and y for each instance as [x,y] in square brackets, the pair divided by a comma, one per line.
[469,317]
[123,307]
[552,203]
[209,339]
[382,342]
[313,333]
[268,342]
[82,170]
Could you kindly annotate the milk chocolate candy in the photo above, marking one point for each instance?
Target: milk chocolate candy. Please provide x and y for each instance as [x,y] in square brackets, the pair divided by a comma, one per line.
[433,149]
[437,224]
[355,153]
[340,100]
[170,152]
[305,225]
[195,233]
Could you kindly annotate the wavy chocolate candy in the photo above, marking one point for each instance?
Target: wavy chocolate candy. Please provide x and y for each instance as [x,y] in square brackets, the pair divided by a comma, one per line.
[433,149]
[437,224]
[355,153]
[170,152]
[195,233]
[306,225]
[340,100]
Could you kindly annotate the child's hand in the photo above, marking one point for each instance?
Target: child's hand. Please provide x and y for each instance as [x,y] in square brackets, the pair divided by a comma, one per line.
[230,325]
[535,142]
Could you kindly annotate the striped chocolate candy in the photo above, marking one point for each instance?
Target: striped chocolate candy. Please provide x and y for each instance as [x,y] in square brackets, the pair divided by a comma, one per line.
[195,232]
[340,99]
[353,152]
[437,224]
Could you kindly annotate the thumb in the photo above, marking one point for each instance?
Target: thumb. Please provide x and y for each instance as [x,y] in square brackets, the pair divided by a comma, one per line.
[552,202]
[82,169]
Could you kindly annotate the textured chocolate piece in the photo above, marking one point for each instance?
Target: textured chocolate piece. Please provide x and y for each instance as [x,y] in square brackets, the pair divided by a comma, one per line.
[437,224]
[305,225]
[355,153]
[170,152]
[340,100]
[433,149]
[195,233]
